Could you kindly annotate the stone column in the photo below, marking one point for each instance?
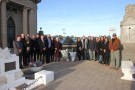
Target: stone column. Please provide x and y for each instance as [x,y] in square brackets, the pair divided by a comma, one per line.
[3,25]
[25,20]
[32,22]
[35,22]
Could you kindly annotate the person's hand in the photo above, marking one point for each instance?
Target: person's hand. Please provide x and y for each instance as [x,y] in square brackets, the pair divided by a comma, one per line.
[20,50]
[111,50]
[104,50]
[28,48]
[44,48]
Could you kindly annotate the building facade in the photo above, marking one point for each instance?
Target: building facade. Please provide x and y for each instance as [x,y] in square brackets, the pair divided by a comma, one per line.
[16,17]
[128,33]
[128,25]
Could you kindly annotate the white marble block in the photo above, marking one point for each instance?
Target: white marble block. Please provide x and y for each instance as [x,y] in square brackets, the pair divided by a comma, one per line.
[47,76]
[128,69]
[3,80]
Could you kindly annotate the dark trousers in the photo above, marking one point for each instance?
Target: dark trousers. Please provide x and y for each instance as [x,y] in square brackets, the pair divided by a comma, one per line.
[52,55]
[37,54]
[33,55]
[28,58]
[106,58]
[96,55]
[20,60]
[24,58]
[48,55]
[79,54]
[42,56]
[85,54]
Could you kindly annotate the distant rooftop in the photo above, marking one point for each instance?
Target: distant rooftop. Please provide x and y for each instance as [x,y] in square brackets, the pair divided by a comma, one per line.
[68,41]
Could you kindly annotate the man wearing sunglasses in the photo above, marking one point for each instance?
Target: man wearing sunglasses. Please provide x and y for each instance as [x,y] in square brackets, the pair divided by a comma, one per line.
[114,46]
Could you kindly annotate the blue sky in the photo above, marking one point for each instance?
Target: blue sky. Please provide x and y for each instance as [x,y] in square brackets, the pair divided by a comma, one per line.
[81,17]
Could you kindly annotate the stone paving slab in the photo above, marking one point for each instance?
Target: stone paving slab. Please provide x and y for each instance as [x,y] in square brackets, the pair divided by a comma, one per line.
[85,75]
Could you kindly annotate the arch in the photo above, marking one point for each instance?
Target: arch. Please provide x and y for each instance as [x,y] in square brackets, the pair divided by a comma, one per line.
[10,32]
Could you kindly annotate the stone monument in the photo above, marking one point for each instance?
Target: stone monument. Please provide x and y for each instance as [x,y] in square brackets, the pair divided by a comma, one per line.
[10,74]
[128,33]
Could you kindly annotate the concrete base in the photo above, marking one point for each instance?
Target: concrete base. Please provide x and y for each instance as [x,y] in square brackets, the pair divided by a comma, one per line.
[47,76]
[10,86]
[128,69]
[127,75]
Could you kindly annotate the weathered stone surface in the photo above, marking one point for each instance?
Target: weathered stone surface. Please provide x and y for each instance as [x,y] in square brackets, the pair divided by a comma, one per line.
[128,52]
[3,80]
[128,25]
[128,33]
[18,75]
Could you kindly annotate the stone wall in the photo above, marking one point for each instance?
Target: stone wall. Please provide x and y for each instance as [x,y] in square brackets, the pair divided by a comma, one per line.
[128,51]
[128,33]
[128,25]
[0,26]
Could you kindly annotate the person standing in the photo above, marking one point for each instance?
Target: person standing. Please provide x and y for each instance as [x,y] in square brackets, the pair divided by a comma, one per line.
[106,52]
[100,49]
[33,48]
[48,52]
[37,49]
[96,51]
[24,49]
[18,46]
[79,48]
[58,47]
[52,49]
[84,48]
[92,48]
[28,50]
[42,46]
[114,46]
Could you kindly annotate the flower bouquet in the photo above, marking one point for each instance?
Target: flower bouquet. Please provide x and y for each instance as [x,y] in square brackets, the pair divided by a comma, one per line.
[36,66]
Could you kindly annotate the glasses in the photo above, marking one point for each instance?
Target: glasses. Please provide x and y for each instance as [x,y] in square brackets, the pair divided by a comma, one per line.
[114,35]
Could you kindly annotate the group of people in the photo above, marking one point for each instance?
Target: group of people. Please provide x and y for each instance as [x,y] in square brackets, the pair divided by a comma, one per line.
[48,49]
[103,49]
[38,47]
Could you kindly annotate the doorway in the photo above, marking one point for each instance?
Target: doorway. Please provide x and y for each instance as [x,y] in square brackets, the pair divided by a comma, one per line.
[10,32]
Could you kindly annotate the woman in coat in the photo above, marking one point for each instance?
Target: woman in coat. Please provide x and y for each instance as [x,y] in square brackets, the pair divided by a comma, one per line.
[106,52]
[58,48]
[79,48]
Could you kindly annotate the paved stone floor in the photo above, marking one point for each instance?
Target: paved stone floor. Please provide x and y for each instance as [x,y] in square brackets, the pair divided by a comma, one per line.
[85,75]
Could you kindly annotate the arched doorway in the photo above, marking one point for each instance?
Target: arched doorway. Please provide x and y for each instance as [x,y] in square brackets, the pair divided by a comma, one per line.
[10,32]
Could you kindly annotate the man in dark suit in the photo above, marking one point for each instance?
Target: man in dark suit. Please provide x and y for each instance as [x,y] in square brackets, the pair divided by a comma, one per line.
[42,46]
[24,49]
[49,45]
[37,49]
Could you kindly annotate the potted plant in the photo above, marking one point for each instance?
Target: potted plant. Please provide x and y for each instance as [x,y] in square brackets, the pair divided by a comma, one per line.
[36,66]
